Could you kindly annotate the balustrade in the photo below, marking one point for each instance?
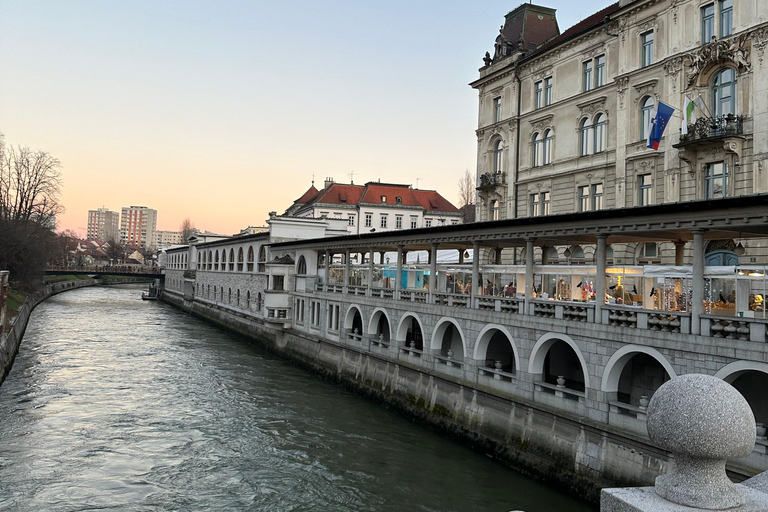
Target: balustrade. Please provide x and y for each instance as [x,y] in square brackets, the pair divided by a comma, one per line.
[731,328]
[621,317]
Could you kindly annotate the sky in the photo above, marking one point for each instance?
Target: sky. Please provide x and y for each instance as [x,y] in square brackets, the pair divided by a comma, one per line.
[222,111]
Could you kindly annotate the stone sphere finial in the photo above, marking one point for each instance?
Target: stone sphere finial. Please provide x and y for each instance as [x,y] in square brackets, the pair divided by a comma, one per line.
[703,421]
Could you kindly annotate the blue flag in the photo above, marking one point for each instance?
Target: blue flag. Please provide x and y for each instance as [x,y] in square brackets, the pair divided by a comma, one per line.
[659,120]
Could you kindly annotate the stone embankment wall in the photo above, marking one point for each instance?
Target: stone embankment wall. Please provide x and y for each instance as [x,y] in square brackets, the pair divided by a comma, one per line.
[574,454]
[11,338]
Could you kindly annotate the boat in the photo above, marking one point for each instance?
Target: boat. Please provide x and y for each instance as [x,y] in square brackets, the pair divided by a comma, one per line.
[152,294]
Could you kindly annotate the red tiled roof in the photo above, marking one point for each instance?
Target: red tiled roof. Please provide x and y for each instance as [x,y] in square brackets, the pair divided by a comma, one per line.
[587,23]
[340,193]
[372,193]
[432,201]
[310,194]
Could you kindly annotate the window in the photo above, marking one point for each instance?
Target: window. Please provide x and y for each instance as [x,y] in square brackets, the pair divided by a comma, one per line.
[716,180]
[497,109]
[454,222]
[301,268]
[646,40]
[586,137]
[548,91]
[351,220]
[724,92]
[278,282]
[547,156]
[399,200]
[597,196]
[368,220]
[644,187]
[599,70]
[648,254]
[231,259]
[414,221]
[586,76]
[707,23]
[539,204]
[498,152]
[538,94]
[538,142]
[584,198]
[645,116]
[428,223]
[249,265]
[398,222]
[383,199]
[240,259]
[216,266]
[600,133]
[262,259]
[494,210]
[384,218]
[726,18]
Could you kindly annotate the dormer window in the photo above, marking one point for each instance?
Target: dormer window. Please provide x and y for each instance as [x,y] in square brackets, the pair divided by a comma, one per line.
[384,199]
[399,200]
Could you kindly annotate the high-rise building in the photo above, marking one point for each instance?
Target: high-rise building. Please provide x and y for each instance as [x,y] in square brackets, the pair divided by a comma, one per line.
[137,227]
[103,224]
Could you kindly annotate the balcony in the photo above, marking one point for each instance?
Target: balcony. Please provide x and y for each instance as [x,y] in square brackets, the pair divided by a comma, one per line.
[711,129]
[490,180]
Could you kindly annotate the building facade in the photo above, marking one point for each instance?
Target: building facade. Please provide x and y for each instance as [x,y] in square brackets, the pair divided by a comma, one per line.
[103,224]
[138,225]
[376,206]
[563,123]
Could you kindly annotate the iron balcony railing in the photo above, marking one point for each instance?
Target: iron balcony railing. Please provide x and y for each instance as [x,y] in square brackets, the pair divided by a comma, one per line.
[714,127]
[490,180]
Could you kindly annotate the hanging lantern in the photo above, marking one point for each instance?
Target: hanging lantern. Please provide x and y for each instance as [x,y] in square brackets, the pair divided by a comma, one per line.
[740,250]
[567,252]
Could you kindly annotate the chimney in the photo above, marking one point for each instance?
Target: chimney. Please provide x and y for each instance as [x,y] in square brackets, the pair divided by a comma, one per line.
[328,182]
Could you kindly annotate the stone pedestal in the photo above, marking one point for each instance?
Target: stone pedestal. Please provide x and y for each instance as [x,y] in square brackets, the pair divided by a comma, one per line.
[645,499]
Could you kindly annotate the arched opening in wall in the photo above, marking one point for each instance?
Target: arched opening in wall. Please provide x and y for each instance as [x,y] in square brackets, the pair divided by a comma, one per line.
[721,253]
[449,340]
[231,260]
[240,259]
[224,260]
[222,294]
[262,259]
[248,300]
[353,322]
[210,260]
[208,293]
[203,261]
[216,264]
[238,298]
[380,327]
[215,296]
[551,257]
[259,303]
[495,351]
[577,255]
[301,267]
[641,377]
[249,265]
[561,361]
[752,385]
[648,253]
[229,295]
[410,333]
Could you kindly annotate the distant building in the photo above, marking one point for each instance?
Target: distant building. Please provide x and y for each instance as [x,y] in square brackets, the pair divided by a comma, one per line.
[252,230]
[103,224]
[138,225]
[165,238]
[376,206]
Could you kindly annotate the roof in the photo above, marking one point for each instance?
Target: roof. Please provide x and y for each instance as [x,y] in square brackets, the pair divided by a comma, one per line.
[584,25]
[340,193]
[432,201]
[310,194]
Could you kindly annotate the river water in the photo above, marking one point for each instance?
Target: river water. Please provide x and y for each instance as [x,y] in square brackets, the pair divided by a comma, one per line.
[118,404]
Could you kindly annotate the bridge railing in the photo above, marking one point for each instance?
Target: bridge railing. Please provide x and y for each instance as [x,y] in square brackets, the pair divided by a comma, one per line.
[105,269]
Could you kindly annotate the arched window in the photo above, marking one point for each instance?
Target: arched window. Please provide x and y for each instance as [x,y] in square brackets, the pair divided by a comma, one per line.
[262,259]
[250,259]
[724,92]
[547,157]
[210,260]
[208,292]
[537,150]
[646,106]
[498,151]
[494,210]
[240,260]
[216,265]
[224,259]
[214,292]
[238,297]
[248,300]
[202,266]
[600,134]
[231,259]
[301,268]
[258,303]
[586,137]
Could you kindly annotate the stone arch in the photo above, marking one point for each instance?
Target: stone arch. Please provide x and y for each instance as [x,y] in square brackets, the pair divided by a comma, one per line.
[484,343]
[410,328]
[353,319]
[750,378]
[301,266]
[620,358]
[380,324]
[541,349]
[249,264]
[438,342]
[240,259]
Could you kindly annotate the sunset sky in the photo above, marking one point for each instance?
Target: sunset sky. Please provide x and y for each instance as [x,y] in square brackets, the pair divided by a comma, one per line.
[222,111]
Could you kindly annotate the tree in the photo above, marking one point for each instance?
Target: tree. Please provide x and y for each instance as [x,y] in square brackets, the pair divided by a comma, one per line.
[187,230]
[30,183]
[115,251]
[466,189]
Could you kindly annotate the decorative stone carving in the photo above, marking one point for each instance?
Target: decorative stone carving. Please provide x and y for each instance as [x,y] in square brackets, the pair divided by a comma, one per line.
[734,147]
[674,7]
[621,87]
[542,122]
[647,88]
[759,42]
[724,51]
[649,23]
[589,108]
[703,421]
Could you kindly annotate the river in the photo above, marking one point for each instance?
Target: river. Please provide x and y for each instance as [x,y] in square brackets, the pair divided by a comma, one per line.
[114,403]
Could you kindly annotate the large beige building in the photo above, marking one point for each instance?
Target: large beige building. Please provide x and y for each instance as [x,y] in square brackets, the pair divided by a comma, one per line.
[563,117]
[103,224]
[137,226]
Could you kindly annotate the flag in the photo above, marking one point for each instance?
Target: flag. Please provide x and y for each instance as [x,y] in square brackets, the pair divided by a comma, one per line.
[659,120]
[689,112]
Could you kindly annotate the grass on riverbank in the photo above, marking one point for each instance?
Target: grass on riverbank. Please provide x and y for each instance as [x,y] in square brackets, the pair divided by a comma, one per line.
[13,302]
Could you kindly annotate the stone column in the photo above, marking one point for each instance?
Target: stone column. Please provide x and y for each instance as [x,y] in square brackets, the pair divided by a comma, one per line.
[327,269]
[475,273]
[461,256]
[528,274]
[432,273]
[371,267]
[600,279]
[400,255]
[346,269]
[697,295]
[679,253]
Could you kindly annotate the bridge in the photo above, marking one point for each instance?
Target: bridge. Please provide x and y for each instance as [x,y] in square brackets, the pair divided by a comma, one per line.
[106,270]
